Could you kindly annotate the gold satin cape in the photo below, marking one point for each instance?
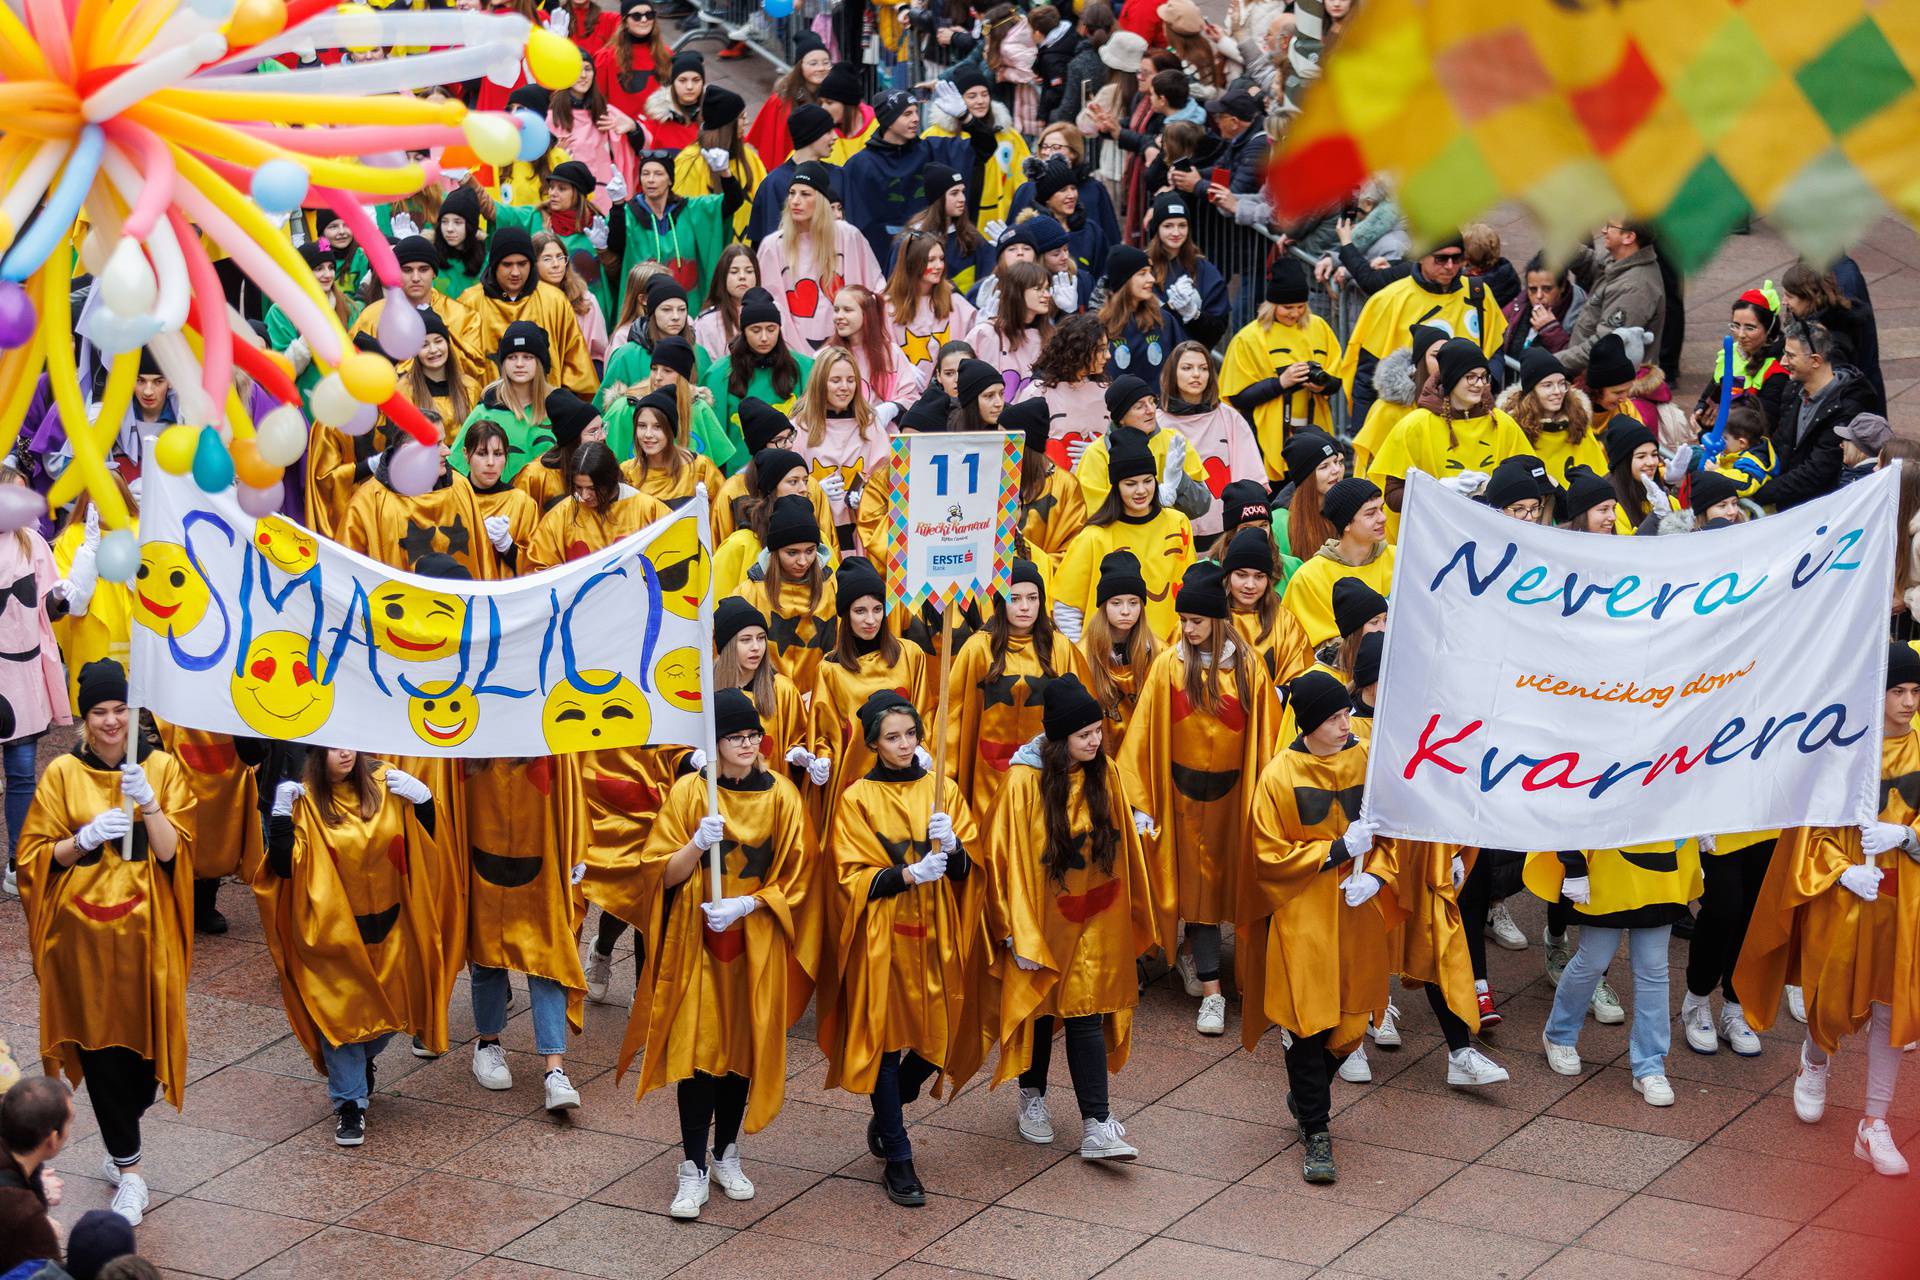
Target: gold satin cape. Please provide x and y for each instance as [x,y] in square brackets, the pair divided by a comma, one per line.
[569,531]
[397,530]
[986,725]
[624,788]
[797,637]
[1429,946]
[1284,652]
[838,695]
[226,836]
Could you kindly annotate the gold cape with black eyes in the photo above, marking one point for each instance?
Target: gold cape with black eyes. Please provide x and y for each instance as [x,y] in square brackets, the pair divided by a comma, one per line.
[798,637]
[397,530]
[357,931]
[989,720]
[226,837]
[1307,961]
[913,966]
[1084,930]
[111,937]
[527,826]
[838,695]
[1429,946]
[1284,651]
[1843,952]
[722,1002]
[624,788]
[569,531]
[1194,774]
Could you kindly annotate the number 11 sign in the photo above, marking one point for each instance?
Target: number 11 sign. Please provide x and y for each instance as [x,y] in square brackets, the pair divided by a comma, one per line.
[951,516]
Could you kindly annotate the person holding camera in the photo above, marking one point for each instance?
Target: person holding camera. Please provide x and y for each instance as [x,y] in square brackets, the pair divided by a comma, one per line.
[1276,371]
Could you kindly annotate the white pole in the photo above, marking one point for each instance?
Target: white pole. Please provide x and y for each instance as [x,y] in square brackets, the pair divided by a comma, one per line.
[707,692]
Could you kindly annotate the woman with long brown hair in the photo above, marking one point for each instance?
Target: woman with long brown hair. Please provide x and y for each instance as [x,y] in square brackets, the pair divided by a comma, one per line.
[1070,372]
[740,661]
[662,466]
[1118,650]
[1555,416]
[1266,629]
[789,584]
[924,308]
[868,656]
[840,436]
[797,87]
[486,449]
[1215,431]
[947,220]
[1141,332]
[1314,464]
[1012,340]
[628,67]
[735,271]
[1815,296]
[760,363]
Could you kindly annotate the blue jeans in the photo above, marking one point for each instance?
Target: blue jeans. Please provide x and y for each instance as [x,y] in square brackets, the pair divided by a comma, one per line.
[18,757]
[901,1077]
[549,1008]
[347,1068]
[1652,1019]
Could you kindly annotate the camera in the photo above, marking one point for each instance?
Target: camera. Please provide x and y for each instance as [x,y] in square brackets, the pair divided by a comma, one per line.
[1319,379]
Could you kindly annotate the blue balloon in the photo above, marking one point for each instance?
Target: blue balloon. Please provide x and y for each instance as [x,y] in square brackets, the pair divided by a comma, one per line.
[778,8]
[535,137]
[279,187]
[212,464]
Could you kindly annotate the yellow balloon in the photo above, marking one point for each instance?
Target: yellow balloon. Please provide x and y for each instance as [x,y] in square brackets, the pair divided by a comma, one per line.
[493,137]
[256,20]
[174,449]
[369,378]
[554,60]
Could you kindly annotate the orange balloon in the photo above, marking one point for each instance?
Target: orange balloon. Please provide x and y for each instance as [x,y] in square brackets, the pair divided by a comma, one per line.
[256,20]
[253,470]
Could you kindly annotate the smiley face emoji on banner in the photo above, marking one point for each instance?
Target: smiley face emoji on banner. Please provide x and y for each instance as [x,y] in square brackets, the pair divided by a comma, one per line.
[169,595]
[415,624]
[681,564]
[286,546]
[677,677]
[581,719]
[276,691]
[444,714]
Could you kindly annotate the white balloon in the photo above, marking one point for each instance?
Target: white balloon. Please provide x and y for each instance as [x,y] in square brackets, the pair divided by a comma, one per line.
[127,283]
[330,401]
[281,436]
[114,334]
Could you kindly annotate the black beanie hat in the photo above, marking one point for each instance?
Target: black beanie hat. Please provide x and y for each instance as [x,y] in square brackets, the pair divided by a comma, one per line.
[938,179]
[734,712]
[758,307]
[855,579]
[721,107]
[975,378]
[761,423]
[508,242]
[665,403]
[1028,572]
[99,1237]
[929,412]
[1044,233]
[1249,549]
[732,616]
[675,353]
[1537,364]
[968,75]
[1458,358]
[889,106]
[569,416]
[525,335]
[531,97]
[793,522]
[431,322]
[416,249]
[1203,591]
[1067,708]
[1120,575]
[1583,493]
[808,124]
[575,175]
[1521,478]
[1286,282]
[771,466]
[1366,659]
[663,288]
[1244,500]
[1315,697]
[841,85]
[1607,363]
[1343,502]
[102,680]
[1032,419]
[1355,604]
[816,174]
[316,252]
[1123,263]
[1168,204]
[1050,178]
[1425,337]
[1123,393]
[1129,455]
[462,202]
[1903,665]
[1303,453]
[1622,435]
[1709,488]
[878,706]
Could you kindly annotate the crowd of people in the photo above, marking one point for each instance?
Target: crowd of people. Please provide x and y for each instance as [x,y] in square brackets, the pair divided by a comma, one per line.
[1156,738]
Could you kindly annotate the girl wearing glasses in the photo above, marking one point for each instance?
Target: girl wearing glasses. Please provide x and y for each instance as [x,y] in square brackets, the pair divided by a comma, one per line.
[628,66]
[1757,370]
[1462,442]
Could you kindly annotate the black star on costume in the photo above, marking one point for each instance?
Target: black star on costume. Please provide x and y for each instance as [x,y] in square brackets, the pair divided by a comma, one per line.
[1076,855]
[998,692]
[1036,688]
[784,630]
[897,850]
[417,541]
[1039,509]
[755,859]
[739,509]
[456,535]
[1907,784]
[1315,803]
[826,634]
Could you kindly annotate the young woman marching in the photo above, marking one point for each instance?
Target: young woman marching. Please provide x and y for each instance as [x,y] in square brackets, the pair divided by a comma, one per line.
[662,466]
[672,370]
[812,254]
[1634,470]
[1268,372]
[924,309]
[1267,629]
[840,436]
[1051,508]
[868,657]
[1074,906]
[735,274]
[717,995]
[1116,645]
[1012,338]
[790,585]
[1215,431]
[600,510]
[763,427]
[1141,333]
[517,400]
[660,315]
[1554,415]
[569,422]
[1359,549]
[1462,443]
[108,900]
[1201,734]
[776,473]
[913,947]
[1132,517]
[946,219]
[860,329]
[759,364]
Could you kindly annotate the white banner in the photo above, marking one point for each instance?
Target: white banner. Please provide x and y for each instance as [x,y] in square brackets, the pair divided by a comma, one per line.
[259,628]
[951,515]
[1546,689]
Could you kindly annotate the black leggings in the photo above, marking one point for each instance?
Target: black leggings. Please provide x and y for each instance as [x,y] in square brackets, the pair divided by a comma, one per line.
[1086,1061]
[611,927]
[710,1104]
[1452,1025]
[1310,1068]
[121,1085]
[1732,887]
[1476,899]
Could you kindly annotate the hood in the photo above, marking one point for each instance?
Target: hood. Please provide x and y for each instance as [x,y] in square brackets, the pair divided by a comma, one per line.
[1330,549]
[1028,752]
[1393,377]
[1510,398]
[1651,384]
[660,108]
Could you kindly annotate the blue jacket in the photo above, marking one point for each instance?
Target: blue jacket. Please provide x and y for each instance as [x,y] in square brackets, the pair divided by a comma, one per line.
[882,182]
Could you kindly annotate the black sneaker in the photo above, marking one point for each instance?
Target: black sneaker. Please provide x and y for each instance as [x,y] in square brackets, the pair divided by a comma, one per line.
[903,1184]
[1318,1165]
[420,1049]
[1293,1109]
[874,1145]
[350,1130]
[206,915]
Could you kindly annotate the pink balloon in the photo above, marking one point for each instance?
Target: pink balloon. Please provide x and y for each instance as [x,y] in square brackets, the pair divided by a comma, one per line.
[362,420]
[19,507]
[414,468]
[261,502]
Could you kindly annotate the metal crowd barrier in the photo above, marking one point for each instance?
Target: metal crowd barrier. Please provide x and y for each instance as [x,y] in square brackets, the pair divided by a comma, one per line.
[890,51]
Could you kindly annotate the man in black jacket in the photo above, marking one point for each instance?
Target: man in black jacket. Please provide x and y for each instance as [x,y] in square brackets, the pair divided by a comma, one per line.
[1804,437]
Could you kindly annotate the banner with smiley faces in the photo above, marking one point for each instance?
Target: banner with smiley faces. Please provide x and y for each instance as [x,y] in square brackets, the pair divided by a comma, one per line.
[259,627]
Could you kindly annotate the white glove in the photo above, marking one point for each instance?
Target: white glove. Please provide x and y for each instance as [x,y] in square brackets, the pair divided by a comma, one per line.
[1183,299]
[1877,838]
[1170,473]
[579,873]
[1577,889]
[994,230]
[696,760]
[1360,887]
[407,787]
[134,785]
[1076,447]
[927,869]
[597,234]
[299,355]
[1142,823]
[403,225]
[799,757]
[834,487]
[711,831]
[716,158]
[1466,484]
[947,99]
[1066,293]
[726,913]
[616,192]
[1459,872]
[84,574]
[1707,843]
[940,831]
[819,769]
[986,295]
[560,22]
[1862,882]
[884,413]
[1358,837]
[499,532]
[922,758]
[1020,961]
[285,796]
[114,824]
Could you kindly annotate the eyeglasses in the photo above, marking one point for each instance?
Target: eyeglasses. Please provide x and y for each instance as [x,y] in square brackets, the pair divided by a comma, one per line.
[1447,258]
[1474,375]
[1525,510]
[751,738]
[1741,326]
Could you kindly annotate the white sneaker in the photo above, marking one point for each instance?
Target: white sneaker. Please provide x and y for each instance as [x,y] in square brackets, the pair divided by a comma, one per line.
[109,1170]
[690,1192]
[1355,1069]
[724,1169]
[1190,976]
[12,882]
[1386,1033]
[1872,1142]
[1740,1037]
[490,1067]
[561,1095]
[1106,1140]
[1797,1005]
[1213,1016]
[1810,1088]
[1605,1006]
[599,974]
[130,1200]
[1502,929]
[1036,1125]
[1470,1067]
[1696,1019]
[1563,1058]
[1654,1089]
